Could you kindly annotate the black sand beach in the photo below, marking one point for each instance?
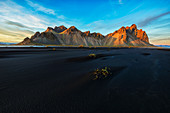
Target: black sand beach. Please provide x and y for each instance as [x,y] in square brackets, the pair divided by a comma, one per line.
[40,80]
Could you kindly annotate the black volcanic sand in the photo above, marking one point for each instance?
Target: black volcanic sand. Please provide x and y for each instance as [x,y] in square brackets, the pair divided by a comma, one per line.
[39,80]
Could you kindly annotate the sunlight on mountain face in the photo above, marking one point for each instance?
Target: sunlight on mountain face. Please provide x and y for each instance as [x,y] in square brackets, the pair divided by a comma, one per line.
[129,36]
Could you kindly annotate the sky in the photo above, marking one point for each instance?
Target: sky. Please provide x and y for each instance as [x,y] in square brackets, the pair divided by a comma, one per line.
[22,18]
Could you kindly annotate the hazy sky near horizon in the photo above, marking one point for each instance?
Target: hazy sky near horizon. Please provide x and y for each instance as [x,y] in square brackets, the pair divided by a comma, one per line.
[22,18]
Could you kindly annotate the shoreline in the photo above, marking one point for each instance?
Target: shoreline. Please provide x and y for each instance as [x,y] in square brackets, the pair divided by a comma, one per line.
[85,47]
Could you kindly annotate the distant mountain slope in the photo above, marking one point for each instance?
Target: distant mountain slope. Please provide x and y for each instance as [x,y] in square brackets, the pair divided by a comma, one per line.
[6,43]
[129,36]
[166,46]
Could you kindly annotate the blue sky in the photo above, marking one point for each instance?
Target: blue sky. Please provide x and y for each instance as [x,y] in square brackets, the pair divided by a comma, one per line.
[21,18]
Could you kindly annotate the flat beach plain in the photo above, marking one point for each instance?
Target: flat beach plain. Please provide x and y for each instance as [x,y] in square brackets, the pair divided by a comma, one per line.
[47,80]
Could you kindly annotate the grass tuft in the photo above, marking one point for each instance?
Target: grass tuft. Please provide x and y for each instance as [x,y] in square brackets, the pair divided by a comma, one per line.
[81,46]
[92,55]
[101,73]
[54,49]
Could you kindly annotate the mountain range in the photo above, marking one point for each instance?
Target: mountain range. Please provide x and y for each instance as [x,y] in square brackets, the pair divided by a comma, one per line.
[125,36]
[6,43]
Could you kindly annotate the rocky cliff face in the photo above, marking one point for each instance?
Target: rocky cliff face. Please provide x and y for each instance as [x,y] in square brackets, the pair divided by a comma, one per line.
[60,29]
[129,36]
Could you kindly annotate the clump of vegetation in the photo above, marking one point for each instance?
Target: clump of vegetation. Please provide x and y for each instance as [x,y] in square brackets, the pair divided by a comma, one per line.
[92,55]
[54,49]
[81,46]
[101,73]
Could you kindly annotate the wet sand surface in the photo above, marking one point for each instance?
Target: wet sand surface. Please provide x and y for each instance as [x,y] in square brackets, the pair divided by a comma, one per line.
[40,80]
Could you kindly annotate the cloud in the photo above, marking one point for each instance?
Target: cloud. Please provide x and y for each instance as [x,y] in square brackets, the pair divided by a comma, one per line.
[150,19]
[16,24]
[156,34]
[161,39]
[120,2]
[19,22]
[16,14]
[115,2]
[162,26]
[28,31]
[136,8]
[14,34]
[61,17]
[109,26]
[40,8]
[9,33]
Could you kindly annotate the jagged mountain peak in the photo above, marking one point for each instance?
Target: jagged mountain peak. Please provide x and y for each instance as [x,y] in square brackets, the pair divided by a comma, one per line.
[60,29]
[122,30]
[37,33]
[71,30]
[119,31]
[26,41]
[49,29]
[56,29]
[127,27]
[97,35]
[86,33]
[62,26]
[133,27]
[124,36]
[127,32]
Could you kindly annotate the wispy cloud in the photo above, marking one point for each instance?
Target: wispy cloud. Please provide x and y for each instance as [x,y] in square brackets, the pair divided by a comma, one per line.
[19,22]
[116,2]
[148,20]
[120,2]
[161,39]
[15,14]
[16,24]
[40,8]
[6,32]
[14,34]
[109,26]
[61,17]
[166,25]
[136,8]
[5,38]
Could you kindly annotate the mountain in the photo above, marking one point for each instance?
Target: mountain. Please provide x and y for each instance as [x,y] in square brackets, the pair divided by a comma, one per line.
[128,36]
[6,43]
[125,36]
[165,46]
[56,29]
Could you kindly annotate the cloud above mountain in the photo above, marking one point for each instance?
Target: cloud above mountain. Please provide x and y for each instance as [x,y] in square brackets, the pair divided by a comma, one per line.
[148,20]
[40,7]
[16,24]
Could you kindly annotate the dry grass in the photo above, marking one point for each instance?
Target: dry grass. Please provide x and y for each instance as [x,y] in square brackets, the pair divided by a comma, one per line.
[54,49]
[92,55]
[101,73]
[81,46]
